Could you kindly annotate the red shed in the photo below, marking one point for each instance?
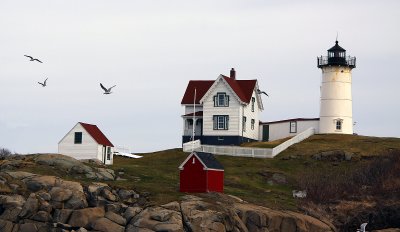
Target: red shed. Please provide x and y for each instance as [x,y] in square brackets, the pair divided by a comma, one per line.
[201,172]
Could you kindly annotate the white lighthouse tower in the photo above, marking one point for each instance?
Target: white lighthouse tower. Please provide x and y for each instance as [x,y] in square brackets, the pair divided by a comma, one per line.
[336,113]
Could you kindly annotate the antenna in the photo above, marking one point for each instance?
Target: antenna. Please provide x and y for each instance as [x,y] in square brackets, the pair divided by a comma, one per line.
[337,34]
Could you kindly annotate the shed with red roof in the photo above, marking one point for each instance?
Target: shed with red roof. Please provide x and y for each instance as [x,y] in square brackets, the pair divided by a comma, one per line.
[201,172]
[86,141]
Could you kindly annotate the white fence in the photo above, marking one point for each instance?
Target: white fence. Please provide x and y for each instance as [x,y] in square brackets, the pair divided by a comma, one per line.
[192,145]
[296,139]
[247,151]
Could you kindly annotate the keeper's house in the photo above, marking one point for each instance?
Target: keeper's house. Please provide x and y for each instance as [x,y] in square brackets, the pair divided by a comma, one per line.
[86,141]
[226,110]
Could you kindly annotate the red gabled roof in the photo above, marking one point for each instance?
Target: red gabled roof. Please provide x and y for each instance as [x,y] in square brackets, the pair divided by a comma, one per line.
[197,113]
[201,89]
[242,88]
[97,135]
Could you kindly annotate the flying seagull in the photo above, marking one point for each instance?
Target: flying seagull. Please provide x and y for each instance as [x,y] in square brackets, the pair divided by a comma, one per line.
[33,59]
[106,91]
[44,83]
[261,92]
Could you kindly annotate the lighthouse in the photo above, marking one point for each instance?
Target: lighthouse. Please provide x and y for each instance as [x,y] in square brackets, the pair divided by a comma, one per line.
[336,113]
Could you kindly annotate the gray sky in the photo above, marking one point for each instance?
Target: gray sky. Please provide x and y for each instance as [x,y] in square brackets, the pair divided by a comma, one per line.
[151,48]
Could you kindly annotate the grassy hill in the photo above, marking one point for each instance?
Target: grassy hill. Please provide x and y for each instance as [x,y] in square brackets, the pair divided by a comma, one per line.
[266,182]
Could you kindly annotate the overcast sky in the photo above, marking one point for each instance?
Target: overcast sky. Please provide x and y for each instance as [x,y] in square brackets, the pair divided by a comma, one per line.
[151,48]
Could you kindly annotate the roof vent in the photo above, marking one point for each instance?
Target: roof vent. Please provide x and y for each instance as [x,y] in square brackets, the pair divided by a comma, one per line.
[233,74]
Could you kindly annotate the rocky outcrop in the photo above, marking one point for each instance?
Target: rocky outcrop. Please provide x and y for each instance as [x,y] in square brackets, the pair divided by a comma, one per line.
[32,202]
[55,204]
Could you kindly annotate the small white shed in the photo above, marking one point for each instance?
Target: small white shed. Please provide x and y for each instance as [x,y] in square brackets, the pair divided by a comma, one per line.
[86,141]
[286,128]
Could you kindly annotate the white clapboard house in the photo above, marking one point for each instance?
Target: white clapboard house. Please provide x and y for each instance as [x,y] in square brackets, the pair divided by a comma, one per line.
[86,141]
[226,110]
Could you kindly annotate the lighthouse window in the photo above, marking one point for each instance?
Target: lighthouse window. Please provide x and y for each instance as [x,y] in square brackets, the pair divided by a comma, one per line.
[338,124]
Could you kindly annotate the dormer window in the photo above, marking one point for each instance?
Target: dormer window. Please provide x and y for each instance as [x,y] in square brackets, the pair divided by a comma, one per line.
[221,100]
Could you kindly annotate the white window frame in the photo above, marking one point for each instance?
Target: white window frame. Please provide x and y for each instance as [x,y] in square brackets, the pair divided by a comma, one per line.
[292,127]
[221,100]
[221,122]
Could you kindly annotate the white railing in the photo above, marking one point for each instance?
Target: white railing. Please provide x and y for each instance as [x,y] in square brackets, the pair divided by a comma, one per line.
[298,138]
[247,151]
[191,145]
[238,151]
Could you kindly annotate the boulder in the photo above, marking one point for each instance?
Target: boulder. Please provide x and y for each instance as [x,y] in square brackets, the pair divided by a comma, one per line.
[11,201]
[20,175]
[11,214]
[131,212]
[36,183]
[30,207]
[63,162]
[107,194]
[158,219]
[62,215]
[28,227]
[116,218]
[106,225]
[42,216]
[84,217]
[6,226]
[60,194]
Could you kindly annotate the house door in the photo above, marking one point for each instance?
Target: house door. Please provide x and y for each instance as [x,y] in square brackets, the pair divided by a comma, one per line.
[265,134]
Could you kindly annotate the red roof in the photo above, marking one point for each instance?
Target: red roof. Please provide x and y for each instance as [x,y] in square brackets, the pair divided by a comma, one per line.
[97,135]
[201,89]
[242,88]
[198,113]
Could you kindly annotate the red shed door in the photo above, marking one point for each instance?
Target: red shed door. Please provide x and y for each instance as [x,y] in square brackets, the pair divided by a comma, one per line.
[193,177]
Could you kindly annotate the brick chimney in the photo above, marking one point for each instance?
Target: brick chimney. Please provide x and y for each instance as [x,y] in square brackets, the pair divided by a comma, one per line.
[233,74]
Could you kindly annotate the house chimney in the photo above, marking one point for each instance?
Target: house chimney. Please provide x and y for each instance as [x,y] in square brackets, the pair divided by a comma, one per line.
[233,74]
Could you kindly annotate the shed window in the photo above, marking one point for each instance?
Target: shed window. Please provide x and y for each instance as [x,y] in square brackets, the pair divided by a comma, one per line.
[78,138]
[193,161]
[252,123]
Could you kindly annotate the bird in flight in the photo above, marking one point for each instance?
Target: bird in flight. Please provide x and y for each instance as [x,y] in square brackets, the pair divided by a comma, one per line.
[33,59]
[44,83]
[106,91]
[261,92]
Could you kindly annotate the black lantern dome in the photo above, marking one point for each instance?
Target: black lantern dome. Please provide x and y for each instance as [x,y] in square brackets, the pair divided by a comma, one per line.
[336,57]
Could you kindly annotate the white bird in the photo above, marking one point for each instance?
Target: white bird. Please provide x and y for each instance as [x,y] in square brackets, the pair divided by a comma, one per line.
[44,84]
[33,59]
[106,91]
[362,227]
[261,92]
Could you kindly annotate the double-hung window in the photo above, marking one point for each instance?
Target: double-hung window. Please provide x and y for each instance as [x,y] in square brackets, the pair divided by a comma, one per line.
[221,122]
[244,123]
[221,100]
[252,123]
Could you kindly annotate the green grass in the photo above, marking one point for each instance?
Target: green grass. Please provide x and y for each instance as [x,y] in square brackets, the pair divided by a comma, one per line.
[157,173]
